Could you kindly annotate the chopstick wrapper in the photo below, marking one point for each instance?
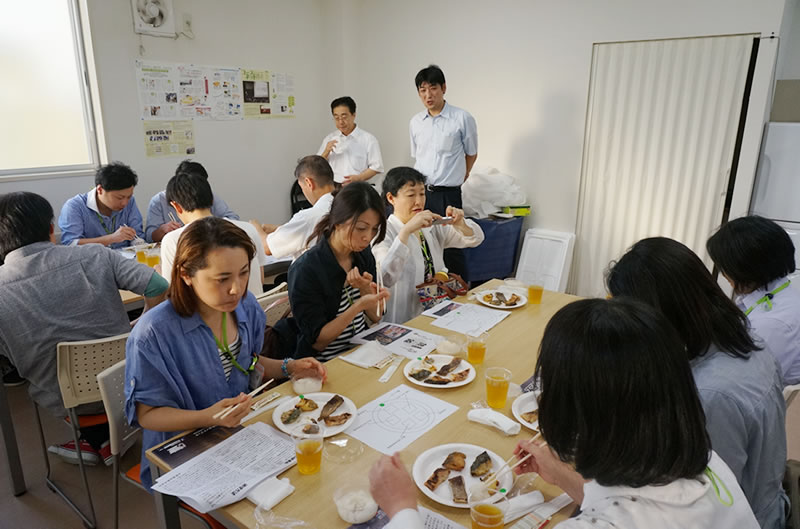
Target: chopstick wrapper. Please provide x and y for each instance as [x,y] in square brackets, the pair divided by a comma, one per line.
[522,505]
[270,492]
[495,419]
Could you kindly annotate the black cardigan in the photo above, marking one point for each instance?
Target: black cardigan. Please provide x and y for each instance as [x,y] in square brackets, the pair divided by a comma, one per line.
[315,290]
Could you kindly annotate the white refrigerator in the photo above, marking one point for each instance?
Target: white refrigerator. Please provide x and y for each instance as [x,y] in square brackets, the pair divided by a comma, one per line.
[777,190]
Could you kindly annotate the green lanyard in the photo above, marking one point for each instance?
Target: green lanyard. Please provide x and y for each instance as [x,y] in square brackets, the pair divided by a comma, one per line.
[767,298]
[223,346]
[103,223]
[426,254]
[713,478]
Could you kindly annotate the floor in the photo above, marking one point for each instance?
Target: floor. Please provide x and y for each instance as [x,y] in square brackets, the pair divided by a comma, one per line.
[39,508]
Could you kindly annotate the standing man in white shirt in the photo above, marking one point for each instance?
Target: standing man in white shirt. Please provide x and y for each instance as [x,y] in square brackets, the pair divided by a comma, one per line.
[444,143]
[315,176]
[352,152]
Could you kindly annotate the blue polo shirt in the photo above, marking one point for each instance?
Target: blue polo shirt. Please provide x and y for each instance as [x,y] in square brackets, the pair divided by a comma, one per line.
[81,219]
[173,361]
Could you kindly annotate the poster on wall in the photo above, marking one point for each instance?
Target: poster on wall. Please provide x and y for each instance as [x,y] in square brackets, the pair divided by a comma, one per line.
[283,100]
[168,138]
[206,92]
[256,89]
[157,87]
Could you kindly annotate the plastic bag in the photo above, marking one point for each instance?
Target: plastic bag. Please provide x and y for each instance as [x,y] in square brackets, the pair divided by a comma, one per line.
[269,520]
[487,190]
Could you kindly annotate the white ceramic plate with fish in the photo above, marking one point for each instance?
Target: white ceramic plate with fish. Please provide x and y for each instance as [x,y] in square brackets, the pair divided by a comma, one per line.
[506,293]
[438,362]
[305,417]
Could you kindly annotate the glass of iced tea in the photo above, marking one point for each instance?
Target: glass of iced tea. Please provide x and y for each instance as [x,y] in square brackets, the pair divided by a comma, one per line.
[486,512]
[535,292]
[308,449]
[141,256]
[497,380]
[476,348]
[153,257]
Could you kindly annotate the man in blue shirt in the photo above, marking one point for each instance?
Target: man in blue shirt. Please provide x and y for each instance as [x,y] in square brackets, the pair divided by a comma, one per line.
[162,218]
[106,214]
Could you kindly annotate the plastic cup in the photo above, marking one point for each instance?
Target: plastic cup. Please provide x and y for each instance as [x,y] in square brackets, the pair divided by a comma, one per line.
[476,348]
[486,512]
[535,292]
[354,503]
[141,256]
[306,385]
[497,380]
[308,449]
[153,257]
[453,344]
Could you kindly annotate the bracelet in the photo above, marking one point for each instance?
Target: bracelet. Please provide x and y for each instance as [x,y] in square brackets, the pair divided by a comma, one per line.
[285,367]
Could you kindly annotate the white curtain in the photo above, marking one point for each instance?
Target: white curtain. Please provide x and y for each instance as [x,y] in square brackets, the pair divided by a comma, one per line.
[660,131]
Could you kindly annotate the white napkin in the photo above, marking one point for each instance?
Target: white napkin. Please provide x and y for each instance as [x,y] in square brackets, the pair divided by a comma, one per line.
[270,492]
[493,418]
[522,505]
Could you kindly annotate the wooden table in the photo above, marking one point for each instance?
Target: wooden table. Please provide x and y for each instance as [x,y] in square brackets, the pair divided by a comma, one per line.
[513,344]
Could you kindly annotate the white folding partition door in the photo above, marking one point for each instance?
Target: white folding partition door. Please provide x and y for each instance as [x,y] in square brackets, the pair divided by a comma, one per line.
[661,126]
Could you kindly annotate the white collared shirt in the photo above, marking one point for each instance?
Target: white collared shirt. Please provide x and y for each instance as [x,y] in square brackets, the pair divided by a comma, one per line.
[440,143]
[289,240]
[682,504]
[778,326]
[353,154]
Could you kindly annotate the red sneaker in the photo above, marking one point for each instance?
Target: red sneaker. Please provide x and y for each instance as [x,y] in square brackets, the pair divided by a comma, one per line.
[105,453]
[69,453]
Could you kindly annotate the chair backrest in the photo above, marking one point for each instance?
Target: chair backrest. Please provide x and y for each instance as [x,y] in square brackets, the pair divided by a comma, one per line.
[283,287]
[789,393]
[267,299]
[277,310]
[80,362]
[111,382]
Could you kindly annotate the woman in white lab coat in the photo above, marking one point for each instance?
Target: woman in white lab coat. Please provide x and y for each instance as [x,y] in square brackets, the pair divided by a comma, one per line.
[412,251]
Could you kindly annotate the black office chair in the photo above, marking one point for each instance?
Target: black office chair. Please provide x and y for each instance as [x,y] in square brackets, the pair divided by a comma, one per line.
[297,199]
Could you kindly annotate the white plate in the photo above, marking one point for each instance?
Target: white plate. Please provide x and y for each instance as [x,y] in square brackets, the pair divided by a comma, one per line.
[507,293]
[305,417]
[431,459]
[523,404]
[439,361]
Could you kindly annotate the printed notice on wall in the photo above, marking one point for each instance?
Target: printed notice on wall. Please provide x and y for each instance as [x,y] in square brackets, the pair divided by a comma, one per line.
[256,86]
[168,138]
[158,90]
[282,94]
[206,92]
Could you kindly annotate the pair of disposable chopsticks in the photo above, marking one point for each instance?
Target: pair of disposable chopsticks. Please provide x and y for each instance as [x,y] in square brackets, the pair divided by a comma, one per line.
[227,411]
[381,303]
[505,465]
[172,218]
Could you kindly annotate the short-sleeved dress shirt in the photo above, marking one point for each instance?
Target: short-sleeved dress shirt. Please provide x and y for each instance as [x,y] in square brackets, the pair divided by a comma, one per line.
[439,144]
[353,153]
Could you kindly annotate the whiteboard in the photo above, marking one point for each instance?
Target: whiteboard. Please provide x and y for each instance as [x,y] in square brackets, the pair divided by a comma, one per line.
[546,258]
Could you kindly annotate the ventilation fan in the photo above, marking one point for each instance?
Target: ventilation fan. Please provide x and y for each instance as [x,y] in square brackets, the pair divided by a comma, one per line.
[153,17]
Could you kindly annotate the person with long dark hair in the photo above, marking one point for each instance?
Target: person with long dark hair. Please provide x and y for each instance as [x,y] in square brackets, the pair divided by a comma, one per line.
[331,287]
[619,404]
[198,353]
[739,384]
[756,256]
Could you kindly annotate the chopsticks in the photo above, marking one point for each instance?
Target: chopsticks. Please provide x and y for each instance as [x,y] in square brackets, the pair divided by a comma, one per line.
[172,218]
[227,411]
[505,466]
[381,303]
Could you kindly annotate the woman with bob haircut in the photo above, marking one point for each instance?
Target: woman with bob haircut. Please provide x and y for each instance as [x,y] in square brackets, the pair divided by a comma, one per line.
[413,250]
[618,402]
[739,385]
[331,287]
[756,256]
[197,353]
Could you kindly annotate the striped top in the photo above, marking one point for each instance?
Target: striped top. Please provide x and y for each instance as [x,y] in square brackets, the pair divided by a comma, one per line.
[342,343]
[227,365]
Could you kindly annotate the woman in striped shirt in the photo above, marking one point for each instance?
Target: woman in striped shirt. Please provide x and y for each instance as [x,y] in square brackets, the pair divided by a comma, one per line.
[331,287]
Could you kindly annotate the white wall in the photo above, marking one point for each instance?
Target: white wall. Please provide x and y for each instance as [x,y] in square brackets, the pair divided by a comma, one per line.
[521,67]
[789,51]
[250,163]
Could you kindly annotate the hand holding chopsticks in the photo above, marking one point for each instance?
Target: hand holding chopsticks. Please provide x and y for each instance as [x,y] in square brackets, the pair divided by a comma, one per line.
[227,411]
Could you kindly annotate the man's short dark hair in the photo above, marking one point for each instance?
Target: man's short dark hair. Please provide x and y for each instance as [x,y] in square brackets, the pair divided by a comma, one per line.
[617,395]
[190,167]
[190,191]
[315,167]
[752,252]
[115,176]
[398,177]
[345,101]
[25,218]
[432,75]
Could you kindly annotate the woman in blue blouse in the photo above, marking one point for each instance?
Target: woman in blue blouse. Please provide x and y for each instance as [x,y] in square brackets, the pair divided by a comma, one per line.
[197,353]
